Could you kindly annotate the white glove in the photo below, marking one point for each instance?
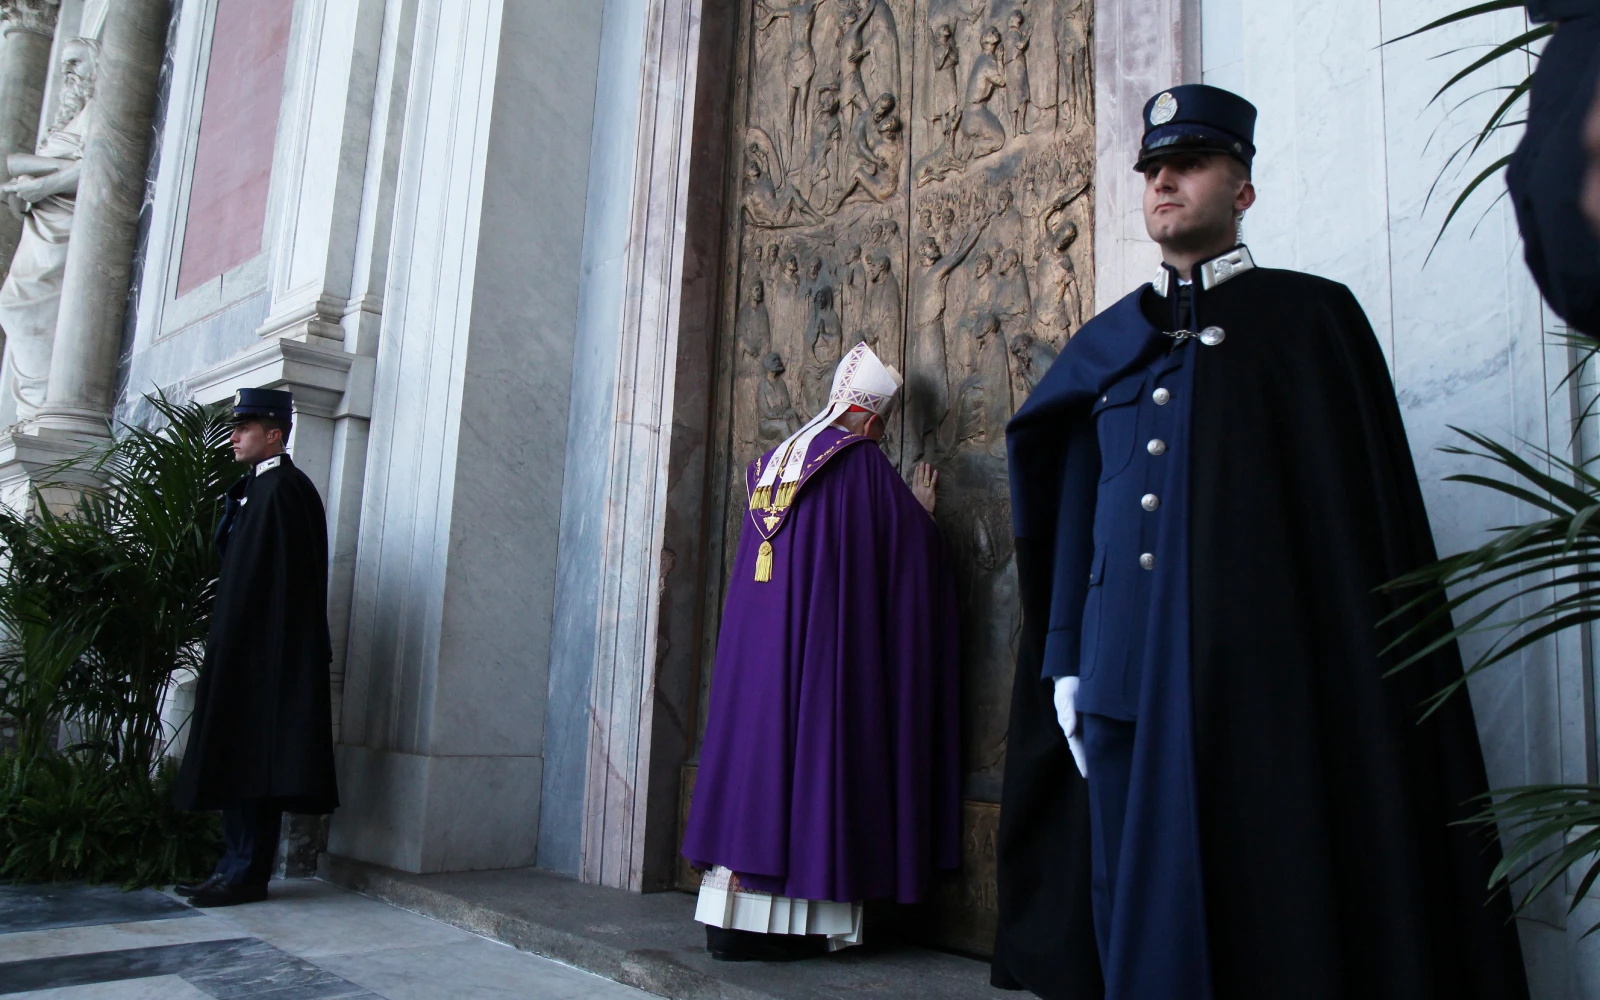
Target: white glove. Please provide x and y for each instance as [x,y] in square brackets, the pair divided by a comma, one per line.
[1067,716]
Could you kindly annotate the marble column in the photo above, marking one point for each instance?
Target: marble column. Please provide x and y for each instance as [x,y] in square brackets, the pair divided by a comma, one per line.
[27,29]
[83,368]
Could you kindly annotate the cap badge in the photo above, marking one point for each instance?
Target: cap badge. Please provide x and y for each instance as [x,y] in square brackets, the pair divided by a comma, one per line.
[1165,110]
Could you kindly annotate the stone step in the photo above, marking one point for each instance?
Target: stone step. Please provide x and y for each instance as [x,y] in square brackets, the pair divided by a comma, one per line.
[650,941]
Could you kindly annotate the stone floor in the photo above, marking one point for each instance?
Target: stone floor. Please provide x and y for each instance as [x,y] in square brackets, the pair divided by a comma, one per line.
[652,942]
[310,941]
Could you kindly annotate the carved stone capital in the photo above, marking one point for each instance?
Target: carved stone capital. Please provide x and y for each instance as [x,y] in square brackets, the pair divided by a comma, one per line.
[37,16]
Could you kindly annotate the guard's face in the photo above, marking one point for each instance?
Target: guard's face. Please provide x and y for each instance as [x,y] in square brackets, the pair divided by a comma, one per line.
[1191,200]
[253,443]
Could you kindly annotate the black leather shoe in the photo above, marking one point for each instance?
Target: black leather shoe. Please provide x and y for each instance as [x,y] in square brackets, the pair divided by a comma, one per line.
[726,945]
[190,889]
[229,895]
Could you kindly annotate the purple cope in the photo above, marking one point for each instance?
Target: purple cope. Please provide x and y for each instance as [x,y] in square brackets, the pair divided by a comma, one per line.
[831,763]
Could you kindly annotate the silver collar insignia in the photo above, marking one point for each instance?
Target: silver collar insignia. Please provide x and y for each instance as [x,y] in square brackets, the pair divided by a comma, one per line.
[1212,272]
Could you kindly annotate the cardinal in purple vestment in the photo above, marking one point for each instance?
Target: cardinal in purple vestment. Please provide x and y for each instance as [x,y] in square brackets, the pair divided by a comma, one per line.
[830,770]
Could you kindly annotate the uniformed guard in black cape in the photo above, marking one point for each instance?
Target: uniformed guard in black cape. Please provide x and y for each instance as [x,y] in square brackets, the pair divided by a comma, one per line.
[1209,487]
[261,737]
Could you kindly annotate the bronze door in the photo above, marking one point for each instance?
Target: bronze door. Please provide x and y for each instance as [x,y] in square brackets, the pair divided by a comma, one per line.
[916,174]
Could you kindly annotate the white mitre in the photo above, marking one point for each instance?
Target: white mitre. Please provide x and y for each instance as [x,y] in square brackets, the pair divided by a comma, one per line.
[860,380]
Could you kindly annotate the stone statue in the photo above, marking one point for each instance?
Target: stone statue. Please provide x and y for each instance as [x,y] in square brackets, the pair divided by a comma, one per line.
[1019,92]
[778,417]
[43,191]
[979,124]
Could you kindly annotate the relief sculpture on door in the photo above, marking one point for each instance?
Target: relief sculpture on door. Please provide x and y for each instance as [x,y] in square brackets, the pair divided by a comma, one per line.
[918,175]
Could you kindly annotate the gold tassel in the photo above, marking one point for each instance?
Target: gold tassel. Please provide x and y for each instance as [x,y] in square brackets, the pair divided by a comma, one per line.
[758,499]
[764,563]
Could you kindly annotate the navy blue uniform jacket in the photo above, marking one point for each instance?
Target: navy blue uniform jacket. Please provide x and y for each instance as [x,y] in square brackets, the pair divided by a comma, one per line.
[1294,821]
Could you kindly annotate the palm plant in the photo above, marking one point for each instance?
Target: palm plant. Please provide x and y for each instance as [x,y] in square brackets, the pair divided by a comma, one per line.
[102,600]
[1519,49]
[1550,565]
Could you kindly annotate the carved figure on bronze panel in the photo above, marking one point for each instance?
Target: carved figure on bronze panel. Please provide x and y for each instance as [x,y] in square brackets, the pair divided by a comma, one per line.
[984,397]
[927,362]
[755,327]
[874,157]
[778,416]
[885,314]
[1074,87]
[852,279]
[822,162]
[1033,359]
[1019,90]
[825,341]
[1008,227]
[1012,301]
[816,280]
[945,100]
[979,125]
[852,53]
[1060,309]
[880,37]
[770,200]
[799,60]
[980,305]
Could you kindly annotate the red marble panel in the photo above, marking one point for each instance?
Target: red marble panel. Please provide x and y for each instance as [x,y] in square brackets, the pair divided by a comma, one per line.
[238,126]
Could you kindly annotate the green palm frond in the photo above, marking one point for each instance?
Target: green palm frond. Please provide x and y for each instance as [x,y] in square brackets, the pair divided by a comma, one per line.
[100,603]
[1519,46]
[1526,583]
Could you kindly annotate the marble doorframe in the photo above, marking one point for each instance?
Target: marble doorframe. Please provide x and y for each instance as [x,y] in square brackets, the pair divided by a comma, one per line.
[622,670]
[637,502]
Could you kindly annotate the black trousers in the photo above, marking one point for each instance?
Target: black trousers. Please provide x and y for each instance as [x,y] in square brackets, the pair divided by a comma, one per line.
[251,835]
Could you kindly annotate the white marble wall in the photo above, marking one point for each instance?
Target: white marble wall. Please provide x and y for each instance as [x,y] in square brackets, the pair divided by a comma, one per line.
[1349,147]
[441,755]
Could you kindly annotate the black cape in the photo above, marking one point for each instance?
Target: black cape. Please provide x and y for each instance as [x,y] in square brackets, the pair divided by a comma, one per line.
[263,726]
[1331,865]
